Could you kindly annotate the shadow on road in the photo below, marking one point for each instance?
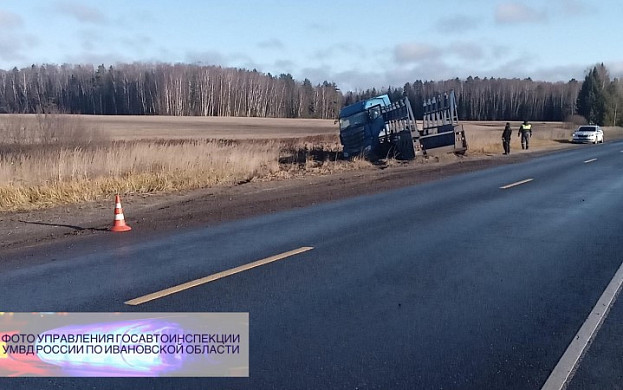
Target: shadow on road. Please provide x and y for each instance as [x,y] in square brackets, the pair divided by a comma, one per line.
[79,228]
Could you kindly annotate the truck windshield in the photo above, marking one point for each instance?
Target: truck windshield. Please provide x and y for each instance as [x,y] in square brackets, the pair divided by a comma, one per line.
[357,119]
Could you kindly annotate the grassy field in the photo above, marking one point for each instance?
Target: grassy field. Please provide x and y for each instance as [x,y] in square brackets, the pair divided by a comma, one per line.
[131,128]
[54,159]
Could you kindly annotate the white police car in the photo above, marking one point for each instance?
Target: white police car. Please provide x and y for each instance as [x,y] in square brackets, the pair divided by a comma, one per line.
[588,134]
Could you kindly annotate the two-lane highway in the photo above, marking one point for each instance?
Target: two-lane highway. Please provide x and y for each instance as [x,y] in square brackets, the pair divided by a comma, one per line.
[477,281]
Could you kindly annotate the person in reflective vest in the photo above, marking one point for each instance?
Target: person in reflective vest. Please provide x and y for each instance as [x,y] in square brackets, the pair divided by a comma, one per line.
[525,131]
[506,138]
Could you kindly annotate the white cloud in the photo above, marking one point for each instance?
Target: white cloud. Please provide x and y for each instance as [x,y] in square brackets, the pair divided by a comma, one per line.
[415,52]
[138,43]
[516,69]
[273,43]
[353,80]
[81,12]
[500,51]
[575,7]
[316,75]
[439,69]
[89,39]
[559,73]
[330,52]
[615,68]
[458,24]
[9,20]
[13,40]
[10,49]
[430,58]
[284,66]
[467,51]
[512,12]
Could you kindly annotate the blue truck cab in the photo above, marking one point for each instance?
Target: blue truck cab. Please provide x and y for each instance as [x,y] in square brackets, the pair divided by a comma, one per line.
[361,124]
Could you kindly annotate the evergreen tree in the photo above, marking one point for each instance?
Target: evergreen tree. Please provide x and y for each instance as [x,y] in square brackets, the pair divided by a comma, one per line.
[591,98]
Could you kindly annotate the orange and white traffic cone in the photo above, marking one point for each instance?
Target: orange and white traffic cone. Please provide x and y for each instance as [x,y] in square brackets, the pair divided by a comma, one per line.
[119,223]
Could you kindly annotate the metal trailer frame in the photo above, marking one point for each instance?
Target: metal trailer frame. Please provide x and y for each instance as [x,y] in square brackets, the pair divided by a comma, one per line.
[401,134]
[440,125]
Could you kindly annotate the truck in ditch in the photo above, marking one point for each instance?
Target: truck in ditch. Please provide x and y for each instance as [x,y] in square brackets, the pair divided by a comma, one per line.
[378,128]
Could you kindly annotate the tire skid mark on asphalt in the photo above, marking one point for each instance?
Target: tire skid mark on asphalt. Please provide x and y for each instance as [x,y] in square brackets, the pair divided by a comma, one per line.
[219,275]
[567,365]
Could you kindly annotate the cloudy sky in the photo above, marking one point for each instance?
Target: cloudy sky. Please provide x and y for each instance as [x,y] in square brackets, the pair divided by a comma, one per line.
[357,44]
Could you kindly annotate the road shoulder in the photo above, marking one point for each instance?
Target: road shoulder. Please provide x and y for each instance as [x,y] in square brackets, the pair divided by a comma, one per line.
[151,213]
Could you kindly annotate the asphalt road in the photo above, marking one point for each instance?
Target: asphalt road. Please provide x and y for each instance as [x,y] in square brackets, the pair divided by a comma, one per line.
[456,283]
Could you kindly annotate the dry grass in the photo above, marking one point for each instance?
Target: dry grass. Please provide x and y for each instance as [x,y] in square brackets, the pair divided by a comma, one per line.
[52,159]
[65,175]
[44,177]
[485,138]
[612,132]
[48,160]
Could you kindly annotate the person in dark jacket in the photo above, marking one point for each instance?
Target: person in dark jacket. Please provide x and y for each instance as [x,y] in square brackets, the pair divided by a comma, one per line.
[506,138]
[525,131]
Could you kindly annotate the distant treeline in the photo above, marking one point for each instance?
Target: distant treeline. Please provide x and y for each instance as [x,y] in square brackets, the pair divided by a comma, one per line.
[146,89]
[194,90]
[597,99]
[491,99]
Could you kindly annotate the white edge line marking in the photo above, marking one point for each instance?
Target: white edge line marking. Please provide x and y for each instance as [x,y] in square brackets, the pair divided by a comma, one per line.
[564,370]
[516,184]
[210,278]
[590,161]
